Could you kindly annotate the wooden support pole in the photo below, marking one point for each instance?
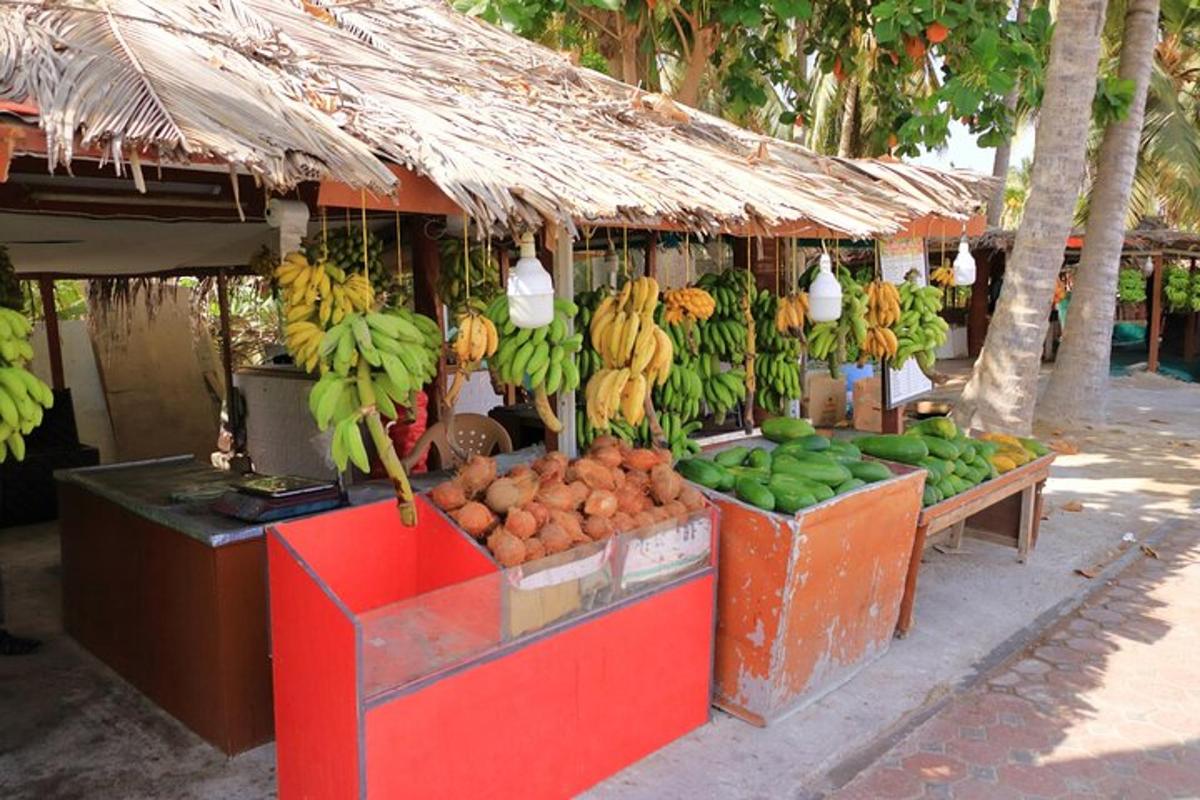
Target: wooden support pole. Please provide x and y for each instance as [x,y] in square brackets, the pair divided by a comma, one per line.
[563,273]
[651,255]
[231,405]
[977,310]
[1189,331]
[53,339]
[510,392]
[427,267]
[1155,322]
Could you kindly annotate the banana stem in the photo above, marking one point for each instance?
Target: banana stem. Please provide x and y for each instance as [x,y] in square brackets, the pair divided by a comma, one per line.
[656,431]
[385,447]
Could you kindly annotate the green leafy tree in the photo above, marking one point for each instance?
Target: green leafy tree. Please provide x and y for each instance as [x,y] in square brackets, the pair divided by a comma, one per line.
[857,78]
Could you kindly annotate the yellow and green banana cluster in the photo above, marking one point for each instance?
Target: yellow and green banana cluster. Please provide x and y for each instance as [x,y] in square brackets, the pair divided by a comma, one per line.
[777,359]
[542,357]
[380,359]
[636,353]
[23,396]
[920,330]
[588,360]
[316,294]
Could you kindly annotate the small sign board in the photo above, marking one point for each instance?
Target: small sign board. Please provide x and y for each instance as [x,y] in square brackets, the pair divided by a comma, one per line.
[897,259]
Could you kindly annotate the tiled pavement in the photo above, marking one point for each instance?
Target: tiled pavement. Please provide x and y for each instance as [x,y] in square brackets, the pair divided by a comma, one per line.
[1105,705]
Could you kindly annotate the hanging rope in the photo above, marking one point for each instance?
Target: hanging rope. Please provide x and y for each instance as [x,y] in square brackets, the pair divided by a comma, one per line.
[324,235]
[625,247]
[587,244]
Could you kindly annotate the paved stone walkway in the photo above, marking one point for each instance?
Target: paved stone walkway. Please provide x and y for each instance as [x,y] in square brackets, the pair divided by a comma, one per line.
[1105,705]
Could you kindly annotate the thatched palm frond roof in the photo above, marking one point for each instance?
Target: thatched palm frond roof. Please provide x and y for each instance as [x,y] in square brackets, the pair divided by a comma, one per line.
[512,132]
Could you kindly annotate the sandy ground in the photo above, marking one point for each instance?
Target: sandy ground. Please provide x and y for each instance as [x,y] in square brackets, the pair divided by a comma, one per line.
[72,729]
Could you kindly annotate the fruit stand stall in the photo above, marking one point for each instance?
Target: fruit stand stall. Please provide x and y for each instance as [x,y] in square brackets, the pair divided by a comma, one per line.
[524,176]
[815,543]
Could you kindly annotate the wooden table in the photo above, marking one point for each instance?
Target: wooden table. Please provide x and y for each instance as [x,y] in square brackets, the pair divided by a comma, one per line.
[1006,510]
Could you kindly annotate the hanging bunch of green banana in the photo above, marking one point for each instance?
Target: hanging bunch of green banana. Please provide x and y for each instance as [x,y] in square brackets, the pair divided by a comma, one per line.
[452,277]
[723,389]
[920,331]
[724,333]
[1177,289]
[1196,290]
[542,357]
[588,360]
[842,340]
[23,396]
[379,359]
[777,363]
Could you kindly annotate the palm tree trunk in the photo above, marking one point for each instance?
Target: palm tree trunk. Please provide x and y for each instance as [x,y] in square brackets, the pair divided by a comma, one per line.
[847,137]
[1002,391]
[1000,162]
[1078,386]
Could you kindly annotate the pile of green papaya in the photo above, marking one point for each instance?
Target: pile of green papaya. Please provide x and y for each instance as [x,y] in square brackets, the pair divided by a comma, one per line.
[953,462]
[803,469]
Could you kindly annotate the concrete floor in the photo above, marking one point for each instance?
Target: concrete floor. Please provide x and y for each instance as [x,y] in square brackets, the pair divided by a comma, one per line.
[72,729]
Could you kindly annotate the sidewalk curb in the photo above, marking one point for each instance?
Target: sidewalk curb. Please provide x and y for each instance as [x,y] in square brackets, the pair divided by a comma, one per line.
[850,766]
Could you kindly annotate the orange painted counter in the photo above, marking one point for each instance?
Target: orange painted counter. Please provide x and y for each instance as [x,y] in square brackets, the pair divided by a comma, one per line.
[804,602]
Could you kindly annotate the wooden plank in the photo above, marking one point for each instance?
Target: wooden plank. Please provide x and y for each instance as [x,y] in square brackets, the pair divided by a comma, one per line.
[1155,313]
[905,620]
[53,338]
[1025,526]
[183,622]
[415,194]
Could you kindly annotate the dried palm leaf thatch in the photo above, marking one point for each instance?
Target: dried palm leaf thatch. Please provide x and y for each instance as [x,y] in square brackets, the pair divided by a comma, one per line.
[511,131]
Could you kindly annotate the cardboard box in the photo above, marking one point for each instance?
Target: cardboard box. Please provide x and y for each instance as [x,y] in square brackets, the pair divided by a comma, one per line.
[868,405]
[826,400]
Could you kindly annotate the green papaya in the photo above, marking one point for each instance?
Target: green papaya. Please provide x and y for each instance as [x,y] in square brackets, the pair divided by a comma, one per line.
[1034,446]
[784,429]
[706,473]
[793,484]
[894,447]
[941,427]
[759,458]
[930,496]
[755,493]
[941,448]
[733,457]
[849,486]
[869,471]
[814,443]
[791,502]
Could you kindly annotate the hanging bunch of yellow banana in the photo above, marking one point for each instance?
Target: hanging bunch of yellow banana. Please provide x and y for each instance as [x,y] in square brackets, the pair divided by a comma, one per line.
[635,354]
[942,276]
[690,304]
[791,313]
[315,295]
[476,340]
[883,312]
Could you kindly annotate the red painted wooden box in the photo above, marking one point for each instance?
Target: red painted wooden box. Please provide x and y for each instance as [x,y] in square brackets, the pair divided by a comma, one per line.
[407,664]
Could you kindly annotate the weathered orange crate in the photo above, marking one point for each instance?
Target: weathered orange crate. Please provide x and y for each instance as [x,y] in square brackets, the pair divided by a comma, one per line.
[805,601]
